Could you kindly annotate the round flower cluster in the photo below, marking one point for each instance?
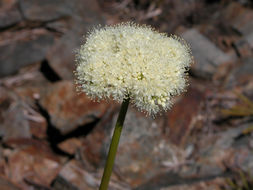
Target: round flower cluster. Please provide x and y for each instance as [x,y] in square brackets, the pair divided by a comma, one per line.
[132,61]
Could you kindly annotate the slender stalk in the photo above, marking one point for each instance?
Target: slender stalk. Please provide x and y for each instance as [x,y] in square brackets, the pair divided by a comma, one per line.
[114,145]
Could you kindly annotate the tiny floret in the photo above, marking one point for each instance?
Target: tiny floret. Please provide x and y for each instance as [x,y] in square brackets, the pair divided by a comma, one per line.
[128,60]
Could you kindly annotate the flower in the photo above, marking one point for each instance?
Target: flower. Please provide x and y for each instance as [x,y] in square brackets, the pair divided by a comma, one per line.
[128,60]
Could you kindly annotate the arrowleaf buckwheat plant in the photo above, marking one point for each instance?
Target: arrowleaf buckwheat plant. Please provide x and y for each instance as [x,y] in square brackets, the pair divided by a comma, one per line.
[132,63]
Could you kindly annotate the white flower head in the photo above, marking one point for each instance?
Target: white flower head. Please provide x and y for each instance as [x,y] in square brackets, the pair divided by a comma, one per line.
[128,60]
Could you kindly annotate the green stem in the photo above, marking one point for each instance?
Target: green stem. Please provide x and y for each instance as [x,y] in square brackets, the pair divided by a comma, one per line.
[114,145]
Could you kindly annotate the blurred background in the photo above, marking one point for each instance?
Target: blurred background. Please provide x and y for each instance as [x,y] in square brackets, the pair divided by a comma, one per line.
[52,138]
